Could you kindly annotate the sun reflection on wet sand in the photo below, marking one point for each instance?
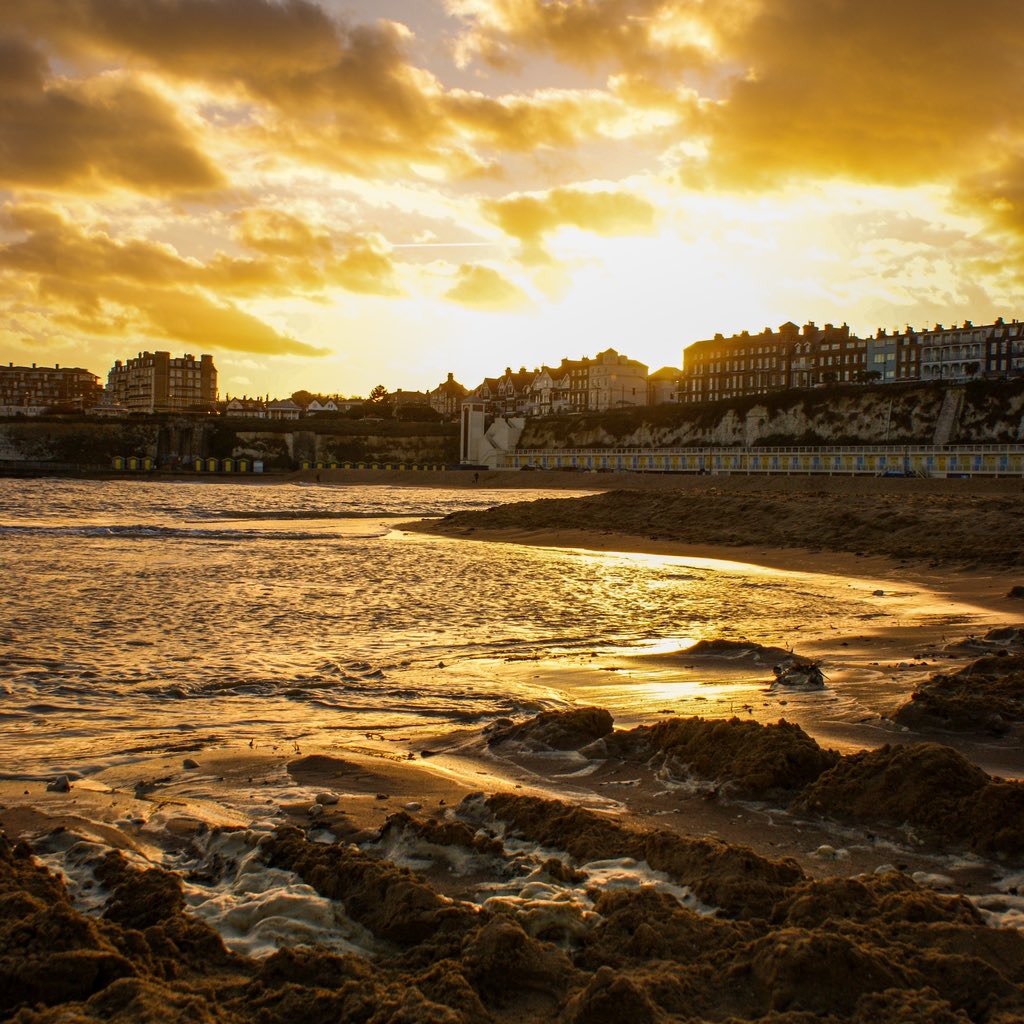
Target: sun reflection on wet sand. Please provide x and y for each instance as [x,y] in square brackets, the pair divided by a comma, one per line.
[144,617]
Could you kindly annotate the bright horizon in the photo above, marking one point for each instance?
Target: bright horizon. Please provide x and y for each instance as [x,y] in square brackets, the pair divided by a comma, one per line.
[337,194]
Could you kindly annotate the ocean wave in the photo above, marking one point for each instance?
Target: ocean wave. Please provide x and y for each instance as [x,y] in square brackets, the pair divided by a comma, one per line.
[284,515]
[148,532]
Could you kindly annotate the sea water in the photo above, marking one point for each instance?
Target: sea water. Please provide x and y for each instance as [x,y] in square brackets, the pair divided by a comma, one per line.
[131,611]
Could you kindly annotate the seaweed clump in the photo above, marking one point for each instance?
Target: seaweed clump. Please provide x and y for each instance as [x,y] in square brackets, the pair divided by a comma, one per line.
[928,787]
[987,696]
[751,760]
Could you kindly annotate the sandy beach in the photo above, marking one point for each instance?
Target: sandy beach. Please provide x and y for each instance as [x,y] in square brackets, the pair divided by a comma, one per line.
[577,865]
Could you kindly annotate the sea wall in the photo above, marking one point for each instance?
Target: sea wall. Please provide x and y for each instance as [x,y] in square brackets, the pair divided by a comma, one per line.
[170,442]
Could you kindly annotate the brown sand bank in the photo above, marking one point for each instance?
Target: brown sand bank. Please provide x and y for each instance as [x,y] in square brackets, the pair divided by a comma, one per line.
[948,526]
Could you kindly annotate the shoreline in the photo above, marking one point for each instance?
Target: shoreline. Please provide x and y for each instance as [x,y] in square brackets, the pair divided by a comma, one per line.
[876,665]
[561,480]
[987,588]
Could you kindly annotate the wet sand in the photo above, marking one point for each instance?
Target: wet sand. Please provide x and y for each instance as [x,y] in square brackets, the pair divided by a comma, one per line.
[744,886]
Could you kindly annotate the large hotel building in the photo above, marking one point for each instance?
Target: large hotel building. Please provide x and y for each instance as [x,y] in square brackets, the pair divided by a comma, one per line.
[155,382]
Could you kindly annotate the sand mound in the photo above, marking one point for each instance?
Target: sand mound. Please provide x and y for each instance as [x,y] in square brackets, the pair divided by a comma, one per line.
[948,527]
[986,696]
[741,650]
[927,787]
[750,759]
[557,730]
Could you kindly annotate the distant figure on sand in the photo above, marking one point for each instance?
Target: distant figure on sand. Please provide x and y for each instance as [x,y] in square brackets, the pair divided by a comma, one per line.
[476,478]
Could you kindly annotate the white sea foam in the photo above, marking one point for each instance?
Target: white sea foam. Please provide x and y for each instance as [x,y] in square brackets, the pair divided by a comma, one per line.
[258,909]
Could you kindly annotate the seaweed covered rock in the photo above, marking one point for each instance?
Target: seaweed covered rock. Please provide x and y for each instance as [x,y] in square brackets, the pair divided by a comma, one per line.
[557,730]
[928,787]
[860,950]
[752,760]
[987,696]
[444,833]
[48,953]
[640,926]
[611,998]
[53,955]
[503,963]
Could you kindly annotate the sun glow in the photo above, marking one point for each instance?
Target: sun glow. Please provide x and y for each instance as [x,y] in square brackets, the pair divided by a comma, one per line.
[583,179]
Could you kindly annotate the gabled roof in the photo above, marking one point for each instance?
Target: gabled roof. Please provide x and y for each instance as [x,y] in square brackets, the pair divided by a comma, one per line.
[520,379]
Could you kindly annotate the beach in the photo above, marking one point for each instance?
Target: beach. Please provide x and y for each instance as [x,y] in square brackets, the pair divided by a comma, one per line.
[610,824]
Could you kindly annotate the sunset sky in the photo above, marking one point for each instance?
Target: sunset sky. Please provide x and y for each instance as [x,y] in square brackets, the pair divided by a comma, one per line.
[334,194]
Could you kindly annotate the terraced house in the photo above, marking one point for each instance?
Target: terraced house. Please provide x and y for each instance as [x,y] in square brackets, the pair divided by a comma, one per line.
[754,364]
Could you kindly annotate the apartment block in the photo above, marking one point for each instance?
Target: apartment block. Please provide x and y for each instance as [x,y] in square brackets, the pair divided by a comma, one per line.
[962,353]
[155,382]
[32,390]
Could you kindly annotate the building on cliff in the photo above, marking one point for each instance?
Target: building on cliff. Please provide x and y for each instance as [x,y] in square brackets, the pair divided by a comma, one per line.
[550,393]
[963,353]
[447,398]
[155,382]
[514,390]
[609,380]
[894,357]
[615,381]
[33,390]
[753,364]
[663,386]
[794,357]
[246,408]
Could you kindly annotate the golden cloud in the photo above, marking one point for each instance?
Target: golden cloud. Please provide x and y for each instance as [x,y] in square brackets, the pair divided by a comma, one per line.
[137,287]
[896,93]
[345,97]
[997,195]
[530,217]
[483,288]
[365,269]
[199,321]
[107,131]
[276,233]
[648,36]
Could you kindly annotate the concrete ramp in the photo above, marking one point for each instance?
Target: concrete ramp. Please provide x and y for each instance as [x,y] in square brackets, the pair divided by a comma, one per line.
[948,420]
